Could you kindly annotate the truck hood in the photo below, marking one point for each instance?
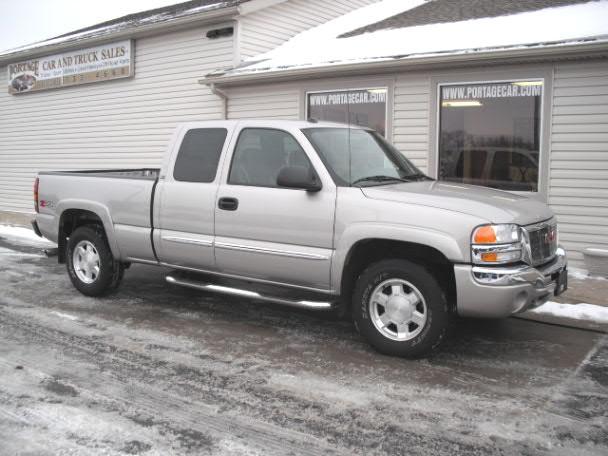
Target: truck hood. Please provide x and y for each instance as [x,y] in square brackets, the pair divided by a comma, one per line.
[495,206]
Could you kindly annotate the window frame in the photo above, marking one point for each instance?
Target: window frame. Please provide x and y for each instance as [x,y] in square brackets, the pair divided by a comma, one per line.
[233,155]
[219,160]
[531,73]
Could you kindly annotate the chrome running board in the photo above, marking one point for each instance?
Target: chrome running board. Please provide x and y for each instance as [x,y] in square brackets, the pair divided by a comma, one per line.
[229,290]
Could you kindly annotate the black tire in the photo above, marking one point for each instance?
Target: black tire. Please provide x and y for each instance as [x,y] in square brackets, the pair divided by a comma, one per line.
[434,329]
[110,271]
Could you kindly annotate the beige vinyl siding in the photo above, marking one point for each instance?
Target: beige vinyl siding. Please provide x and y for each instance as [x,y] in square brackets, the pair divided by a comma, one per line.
[578,185]
[275,101]
[411,121]
[410,107]
[115,124]
[268,28]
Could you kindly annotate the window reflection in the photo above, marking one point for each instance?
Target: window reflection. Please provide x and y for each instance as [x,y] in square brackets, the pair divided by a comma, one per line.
[490,134]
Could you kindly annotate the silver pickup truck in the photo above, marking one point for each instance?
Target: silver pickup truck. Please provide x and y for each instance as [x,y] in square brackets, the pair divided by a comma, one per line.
[313,215]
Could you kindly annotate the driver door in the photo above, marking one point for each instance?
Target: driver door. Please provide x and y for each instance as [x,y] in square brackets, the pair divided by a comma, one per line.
[270,233]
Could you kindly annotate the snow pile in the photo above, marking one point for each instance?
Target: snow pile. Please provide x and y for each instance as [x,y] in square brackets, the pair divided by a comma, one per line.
[23,236]
[321,46]
[587,312]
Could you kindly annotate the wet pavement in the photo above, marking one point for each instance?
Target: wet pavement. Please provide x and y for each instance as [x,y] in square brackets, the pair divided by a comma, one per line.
[159,370]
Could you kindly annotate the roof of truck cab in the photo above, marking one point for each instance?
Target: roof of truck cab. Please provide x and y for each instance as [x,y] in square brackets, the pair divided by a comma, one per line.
[311,123]
[270,123]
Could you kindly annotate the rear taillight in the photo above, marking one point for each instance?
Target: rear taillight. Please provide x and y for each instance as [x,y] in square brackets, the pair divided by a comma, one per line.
[36,182]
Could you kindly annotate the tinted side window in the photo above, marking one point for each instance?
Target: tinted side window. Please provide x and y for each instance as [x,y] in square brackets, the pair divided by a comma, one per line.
[261,153]
[199,155]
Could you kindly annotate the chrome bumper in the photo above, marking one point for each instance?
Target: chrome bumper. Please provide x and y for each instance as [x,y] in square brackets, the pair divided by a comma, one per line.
[503,291]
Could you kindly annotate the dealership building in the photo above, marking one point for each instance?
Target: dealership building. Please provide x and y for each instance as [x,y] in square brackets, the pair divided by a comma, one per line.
[506,94]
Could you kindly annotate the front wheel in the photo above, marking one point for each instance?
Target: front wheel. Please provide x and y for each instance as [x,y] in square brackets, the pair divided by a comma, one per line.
[90,264]
[400,309]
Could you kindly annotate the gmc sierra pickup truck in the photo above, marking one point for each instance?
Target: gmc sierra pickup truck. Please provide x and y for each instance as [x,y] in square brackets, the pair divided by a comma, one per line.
[313,215]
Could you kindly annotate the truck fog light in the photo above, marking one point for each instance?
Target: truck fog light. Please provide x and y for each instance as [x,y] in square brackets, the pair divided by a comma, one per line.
[487,277]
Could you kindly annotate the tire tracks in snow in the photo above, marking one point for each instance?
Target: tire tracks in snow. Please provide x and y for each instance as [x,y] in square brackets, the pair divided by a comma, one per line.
[243,406]
[156,404]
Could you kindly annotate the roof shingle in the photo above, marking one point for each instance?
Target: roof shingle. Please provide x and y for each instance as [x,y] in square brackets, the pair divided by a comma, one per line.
[170,10]
[442,11]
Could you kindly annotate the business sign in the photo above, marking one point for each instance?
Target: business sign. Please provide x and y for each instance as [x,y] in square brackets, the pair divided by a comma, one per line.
[493,90]
[348,97]
[83,66]
[365,107]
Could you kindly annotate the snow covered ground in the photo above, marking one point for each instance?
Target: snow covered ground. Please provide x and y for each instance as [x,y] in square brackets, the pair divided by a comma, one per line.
[582,311]
[24,236]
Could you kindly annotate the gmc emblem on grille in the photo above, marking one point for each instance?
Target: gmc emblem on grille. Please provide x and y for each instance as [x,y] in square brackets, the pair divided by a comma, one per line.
[550,236]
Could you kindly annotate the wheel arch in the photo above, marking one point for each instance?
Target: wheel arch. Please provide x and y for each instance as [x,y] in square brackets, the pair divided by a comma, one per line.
[372,249]
[79,213]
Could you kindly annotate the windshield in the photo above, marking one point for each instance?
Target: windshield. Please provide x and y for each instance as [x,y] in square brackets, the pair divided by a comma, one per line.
[361,157]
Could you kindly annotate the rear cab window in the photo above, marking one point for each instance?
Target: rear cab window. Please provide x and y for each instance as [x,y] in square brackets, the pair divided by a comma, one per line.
[199,155]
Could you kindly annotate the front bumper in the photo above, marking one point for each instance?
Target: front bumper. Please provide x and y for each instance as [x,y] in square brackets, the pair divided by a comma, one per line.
[496,292]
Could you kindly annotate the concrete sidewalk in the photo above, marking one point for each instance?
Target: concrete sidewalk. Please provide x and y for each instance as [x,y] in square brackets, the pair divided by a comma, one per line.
[15,218]
[592,290]
[581,290]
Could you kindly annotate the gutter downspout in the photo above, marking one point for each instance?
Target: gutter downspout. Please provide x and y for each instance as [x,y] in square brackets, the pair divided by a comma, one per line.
[224,97]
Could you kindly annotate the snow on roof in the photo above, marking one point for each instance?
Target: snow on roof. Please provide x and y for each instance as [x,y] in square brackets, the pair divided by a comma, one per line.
[438,11]
[325,45]
[164,14]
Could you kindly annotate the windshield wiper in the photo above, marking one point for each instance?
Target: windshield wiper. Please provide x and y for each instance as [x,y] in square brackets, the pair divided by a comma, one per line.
[379,179]
[418,176]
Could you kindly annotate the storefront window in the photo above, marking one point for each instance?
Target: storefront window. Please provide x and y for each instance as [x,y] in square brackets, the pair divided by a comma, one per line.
[364,107]
[489,134]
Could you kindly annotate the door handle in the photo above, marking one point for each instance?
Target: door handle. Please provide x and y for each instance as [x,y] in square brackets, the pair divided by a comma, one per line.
[228,204]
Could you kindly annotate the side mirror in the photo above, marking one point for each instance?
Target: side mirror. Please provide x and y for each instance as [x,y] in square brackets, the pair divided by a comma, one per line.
[300,177]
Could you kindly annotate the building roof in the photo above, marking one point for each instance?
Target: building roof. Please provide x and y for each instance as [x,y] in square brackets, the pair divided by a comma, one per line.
[131,22]
[442,11]
[393,32]
[157,14]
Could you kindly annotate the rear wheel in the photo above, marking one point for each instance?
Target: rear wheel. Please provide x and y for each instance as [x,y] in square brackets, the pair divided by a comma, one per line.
[400,309]
[90,263]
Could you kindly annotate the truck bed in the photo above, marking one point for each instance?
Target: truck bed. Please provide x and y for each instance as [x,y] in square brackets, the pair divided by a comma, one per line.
[141,173]
[121,198]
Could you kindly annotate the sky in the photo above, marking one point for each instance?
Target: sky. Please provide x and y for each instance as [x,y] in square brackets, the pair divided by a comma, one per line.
[27,21]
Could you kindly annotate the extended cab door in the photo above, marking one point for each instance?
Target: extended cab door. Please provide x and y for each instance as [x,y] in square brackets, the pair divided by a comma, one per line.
[184,222]
[267,232]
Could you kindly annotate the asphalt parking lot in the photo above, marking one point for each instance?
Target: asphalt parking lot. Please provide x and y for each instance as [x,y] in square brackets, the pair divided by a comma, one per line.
[158,370]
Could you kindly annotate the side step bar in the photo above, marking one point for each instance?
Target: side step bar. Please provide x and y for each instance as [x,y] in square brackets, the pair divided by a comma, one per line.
[214,288]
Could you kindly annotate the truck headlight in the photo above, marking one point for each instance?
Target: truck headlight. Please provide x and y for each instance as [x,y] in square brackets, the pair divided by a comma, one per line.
[496,244]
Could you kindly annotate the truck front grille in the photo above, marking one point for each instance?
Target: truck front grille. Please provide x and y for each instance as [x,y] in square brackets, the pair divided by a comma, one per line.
[543,242]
